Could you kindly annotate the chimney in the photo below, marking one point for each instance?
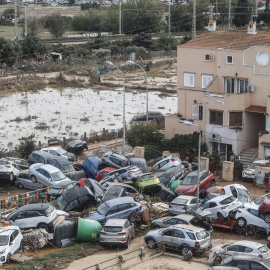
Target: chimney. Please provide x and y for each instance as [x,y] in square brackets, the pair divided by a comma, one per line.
[252,28]
[212,26]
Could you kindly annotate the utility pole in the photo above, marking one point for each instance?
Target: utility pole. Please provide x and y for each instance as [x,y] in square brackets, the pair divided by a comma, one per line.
[25,22]
[211,12]
[194,20]
[120,18]
[169,19]
[229,17]
[15,21]
[216,8]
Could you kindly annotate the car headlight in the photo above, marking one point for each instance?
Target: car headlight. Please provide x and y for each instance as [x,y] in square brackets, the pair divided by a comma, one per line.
[190,190]
[3,251]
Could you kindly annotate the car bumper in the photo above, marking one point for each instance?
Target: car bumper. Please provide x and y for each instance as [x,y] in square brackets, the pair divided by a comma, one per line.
[5,175]
[177,211]
[201,249]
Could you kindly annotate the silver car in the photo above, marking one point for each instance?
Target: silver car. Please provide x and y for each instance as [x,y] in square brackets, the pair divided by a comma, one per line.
[113,160]
[167,163]
[128,173]
[45,175]
[182,204]
[117,232]
[180,237]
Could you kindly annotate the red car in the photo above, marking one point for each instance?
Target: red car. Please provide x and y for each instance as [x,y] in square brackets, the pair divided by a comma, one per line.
[189,185]
[104,172]
[264,209]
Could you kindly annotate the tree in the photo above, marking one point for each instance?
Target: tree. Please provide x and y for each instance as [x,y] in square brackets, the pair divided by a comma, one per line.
[242,13]
[109,19]
[181,19]
[89,22]
[142,40]
[167,42]
[56,25]
[33,46]
[142,16]
[27,146]
[10,51]
[34,27]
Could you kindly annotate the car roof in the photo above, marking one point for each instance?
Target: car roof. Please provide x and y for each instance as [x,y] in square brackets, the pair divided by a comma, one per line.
[186,227]
[115,222]
[248,258]
[110,153]
[76,192]
[185,217]
[51,148]
[121,184]
[60,160]
[48,167]
[34,206]
[42,153]
[220,198]
[121,200]
[261,161]
[248,243]
[7,230]
[236,186]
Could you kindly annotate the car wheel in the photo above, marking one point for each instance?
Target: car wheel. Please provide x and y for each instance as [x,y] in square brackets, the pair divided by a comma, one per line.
[8,258]
[43,226]
[220,217]
[34,179]
[151,243]
[241,222]
[185,250]
[20,185]
[267,217]
[11,177]
[127,243]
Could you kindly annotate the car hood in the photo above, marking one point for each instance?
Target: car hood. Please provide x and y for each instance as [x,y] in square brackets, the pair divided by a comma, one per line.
[153,232]
[69,155]
[185,188]
[251,171]
[96,216]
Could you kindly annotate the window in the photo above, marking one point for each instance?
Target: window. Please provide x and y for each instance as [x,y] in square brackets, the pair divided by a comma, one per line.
[256,266]
[267,123]
[178,234]
[123,207]
[113,210]
[189,79]
[242,86]
[229,59]
[206,79]
[172,221]
[212,204]
[72,205]
[235,119]
[83,199]
[168,233]
[197,111]
[235,85]
[228,85]
[191,236]
[209,57]
[216,117]
[234,192]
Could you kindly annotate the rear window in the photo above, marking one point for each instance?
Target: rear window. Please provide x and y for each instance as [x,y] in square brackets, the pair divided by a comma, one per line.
[263,249]
[49,210]
[179,201]
[228,200]
[112,229]
[191,235]
[202,234]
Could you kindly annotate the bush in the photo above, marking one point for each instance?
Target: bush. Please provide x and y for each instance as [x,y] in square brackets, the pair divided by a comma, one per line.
[27,146]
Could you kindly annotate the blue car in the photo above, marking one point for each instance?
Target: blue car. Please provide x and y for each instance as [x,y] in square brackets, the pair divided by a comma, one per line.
[90,166]
[123,207]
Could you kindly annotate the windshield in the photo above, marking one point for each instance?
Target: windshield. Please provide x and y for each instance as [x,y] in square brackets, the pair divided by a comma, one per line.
[260,200]
[4,240]
[113,229]
[102,209]
[146,176]
[243,195]
[179,201]
[74,142]
[202,234]
[61,202]
[190,180]
[54,190]
[67,168]
[61,151]
[58,176]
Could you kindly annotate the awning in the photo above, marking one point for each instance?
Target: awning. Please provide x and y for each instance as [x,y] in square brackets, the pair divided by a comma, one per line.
[256,109]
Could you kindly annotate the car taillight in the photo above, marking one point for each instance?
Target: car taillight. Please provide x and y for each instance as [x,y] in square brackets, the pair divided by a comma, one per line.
[261,256]
[103,159]
[140,206]
[131,172]
[8,166]
[103,232]
[173,159]
[239,211]
[122,233]
[197,244]
[185,208]
[140,180]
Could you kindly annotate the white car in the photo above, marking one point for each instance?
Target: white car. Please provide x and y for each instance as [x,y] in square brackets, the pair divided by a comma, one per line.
[10,242]
[250,215]
[249,173]
[167,163]
[250,248]
[238,191]
[221,207]
[9,170]
[181,204]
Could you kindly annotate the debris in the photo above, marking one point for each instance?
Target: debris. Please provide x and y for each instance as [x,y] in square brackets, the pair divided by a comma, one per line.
[19,258]
[36,239]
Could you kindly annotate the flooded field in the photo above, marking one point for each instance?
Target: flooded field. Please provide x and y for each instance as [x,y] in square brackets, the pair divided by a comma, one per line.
[71,112]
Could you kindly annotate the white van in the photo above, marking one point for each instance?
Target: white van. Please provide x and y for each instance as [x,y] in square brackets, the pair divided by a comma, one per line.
[249,173]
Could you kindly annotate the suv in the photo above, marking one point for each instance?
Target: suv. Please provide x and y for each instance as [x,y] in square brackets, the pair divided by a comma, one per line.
[183,237]
[117,232]
[60,152]
[9,170]
[39,157]
[38,215]
[249,173]
[113,160]
[22,163]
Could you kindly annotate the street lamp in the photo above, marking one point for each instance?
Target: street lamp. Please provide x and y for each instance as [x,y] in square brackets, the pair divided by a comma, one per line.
[124,98]
[133,63]
[199,160]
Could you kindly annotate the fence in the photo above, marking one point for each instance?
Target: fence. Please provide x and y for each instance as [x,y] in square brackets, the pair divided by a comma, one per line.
[9,204]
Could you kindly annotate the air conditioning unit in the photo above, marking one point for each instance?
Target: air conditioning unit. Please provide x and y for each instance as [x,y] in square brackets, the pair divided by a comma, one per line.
[251,88]
[215,137]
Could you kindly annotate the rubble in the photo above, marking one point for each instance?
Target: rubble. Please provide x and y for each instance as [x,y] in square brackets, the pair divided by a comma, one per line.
[35,239]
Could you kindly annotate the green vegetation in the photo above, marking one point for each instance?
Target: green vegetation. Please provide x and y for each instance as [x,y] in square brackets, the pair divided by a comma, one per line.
[27,146]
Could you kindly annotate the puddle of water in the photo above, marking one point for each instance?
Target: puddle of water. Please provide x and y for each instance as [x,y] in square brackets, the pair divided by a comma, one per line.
[71,112]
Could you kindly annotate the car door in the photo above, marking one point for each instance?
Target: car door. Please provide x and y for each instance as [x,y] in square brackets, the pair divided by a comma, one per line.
[41,179]
[19,219]
[15,242]
[130,228]
[192,204]
[232,250]
[204,180]
[16,169]
[113,212]
[84,202]
[255,218]
[72,205]
[166,237]
[125,210]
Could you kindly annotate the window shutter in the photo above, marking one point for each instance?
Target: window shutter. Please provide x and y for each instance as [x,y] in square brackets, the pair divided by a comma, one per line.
[206,79]
[189,79]
[195,111]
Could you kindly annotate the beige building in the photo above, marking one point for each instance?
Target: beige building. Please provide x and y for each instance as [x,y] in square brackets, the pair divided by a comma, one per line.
[223,85]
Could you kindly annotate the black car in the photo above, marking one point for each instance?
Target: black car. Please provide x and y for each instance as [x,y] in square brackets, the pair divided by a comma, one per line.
[57,189]
[76,146]
[172,174]
[138,162]
[66,167]
[39,157]
[94,186]
[76,199]
[151,116]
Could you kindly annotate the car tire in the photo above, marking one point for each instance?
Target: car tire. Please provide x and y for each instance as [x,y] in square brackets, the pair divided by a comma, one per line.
[8,258]
[43,226]
[241,222]
[220,217]
[185,250]
[11,177]
[127,243]
[267,217]
[20,185]
[151,243]
[33,179]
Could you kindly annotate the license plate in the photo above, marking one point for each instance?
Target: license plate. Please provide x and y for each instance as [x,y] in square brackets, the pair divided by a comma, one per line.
[111,239]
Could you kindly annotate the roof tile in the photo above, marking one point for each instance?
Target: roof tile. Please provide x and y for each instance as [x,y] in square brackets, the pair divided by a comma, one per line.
[256,109]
